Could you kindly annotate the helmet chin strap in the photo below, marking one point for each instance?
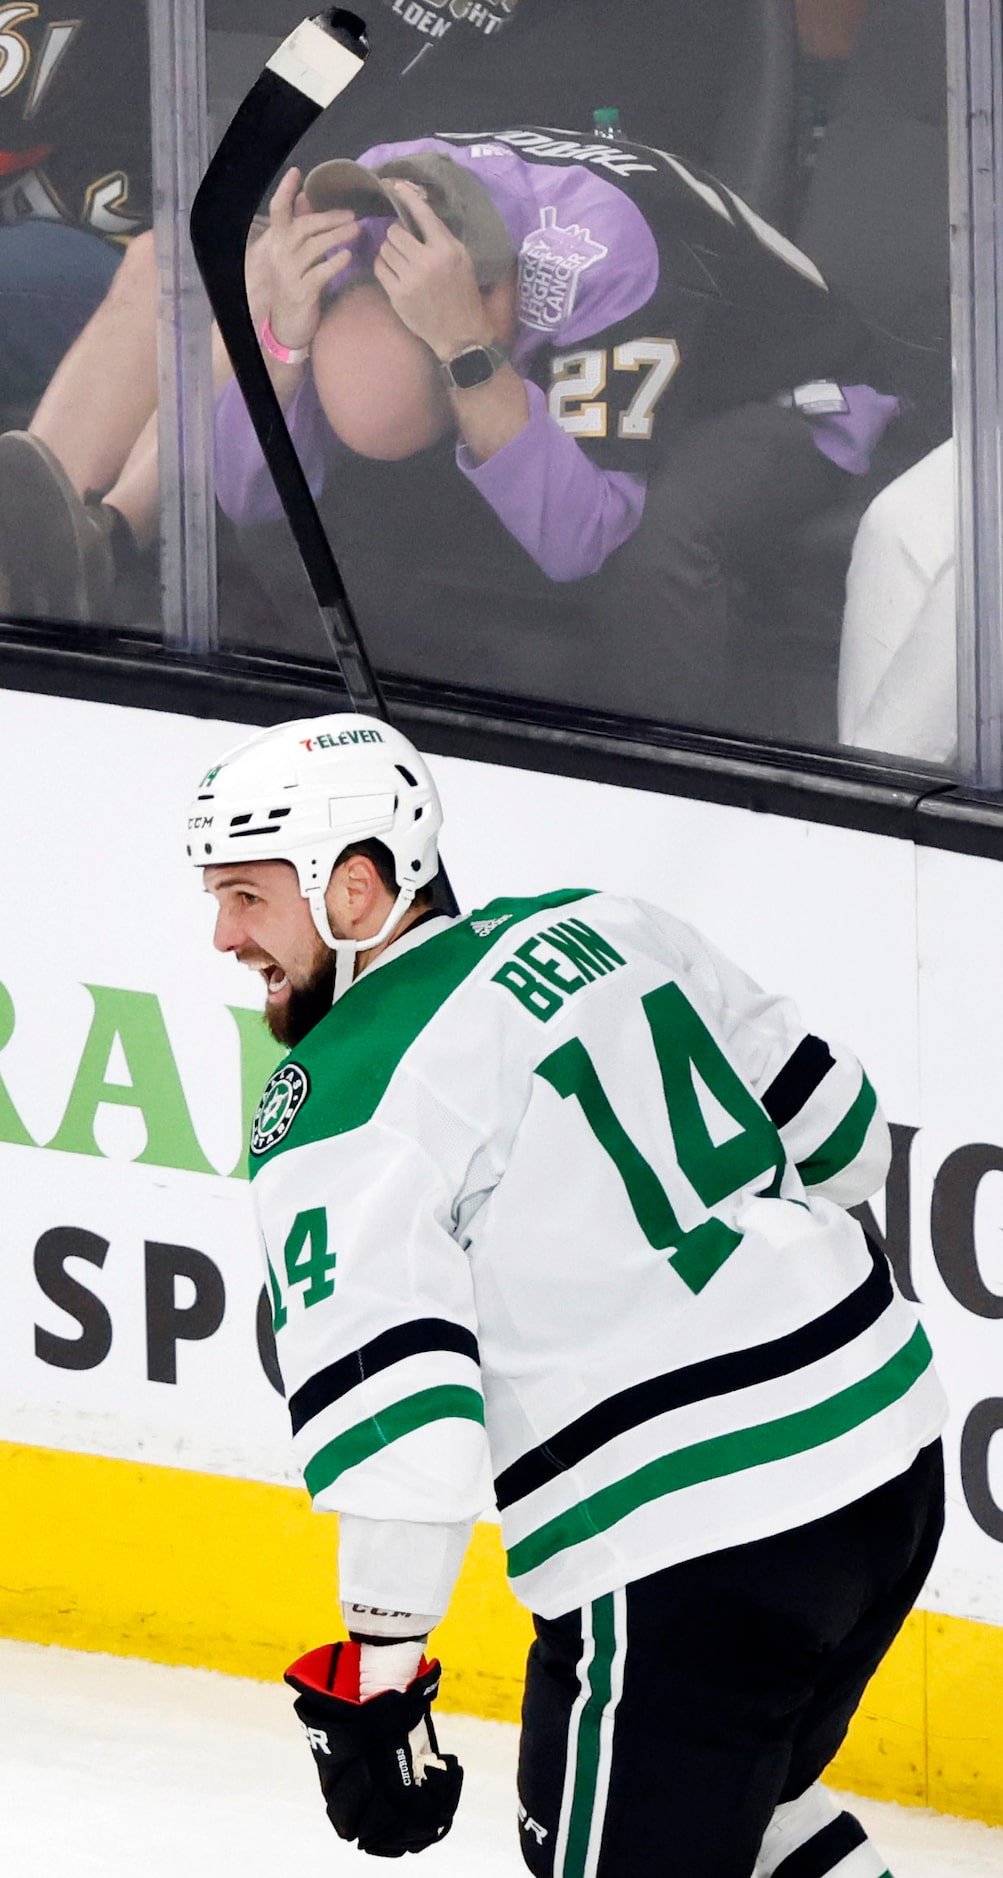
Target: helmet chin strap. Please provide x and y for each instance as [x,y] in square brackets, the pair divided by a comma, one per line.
[346,951]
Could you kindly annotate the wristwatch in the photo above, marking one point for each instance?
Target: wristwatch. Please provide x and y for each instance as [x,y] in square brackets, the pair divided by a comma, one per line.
[475,365]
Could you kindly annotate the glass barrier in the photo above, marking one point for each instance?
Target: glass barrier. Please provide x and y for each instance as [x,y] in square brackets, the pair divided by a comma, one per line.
[78,354]
[689,269]
[975,66]
[721,288]
[186,369]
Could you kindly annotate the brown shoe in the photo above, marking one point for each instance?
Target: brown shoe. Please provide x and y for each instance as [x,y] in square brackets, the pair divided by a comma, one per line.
[55,549]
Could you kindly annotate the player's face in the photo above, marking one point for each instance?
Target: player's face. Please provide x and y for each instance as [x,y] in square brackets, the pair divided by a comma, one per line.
[263,919]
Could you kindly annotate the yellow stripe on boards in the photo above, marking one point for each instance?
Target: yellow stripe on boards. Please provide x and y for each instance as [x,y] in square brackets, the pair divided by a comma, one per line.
[929,1731]
[231,1575]
[224,1574]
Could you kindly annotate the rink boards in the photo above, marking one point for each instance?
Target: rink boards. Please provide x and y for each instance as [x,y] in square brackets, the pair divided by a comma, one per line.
[151,1504]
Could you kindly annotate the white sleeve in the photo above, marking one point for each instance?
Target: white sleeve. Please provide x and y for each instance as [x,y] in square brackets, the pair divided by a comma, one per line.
[398,1565]
[376,1329]
[914,710]
[897,659]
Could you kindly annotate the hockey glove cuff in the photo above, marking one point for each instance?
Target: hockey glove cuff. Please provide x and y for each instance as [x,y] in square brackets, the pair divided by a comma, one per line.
[384,1781]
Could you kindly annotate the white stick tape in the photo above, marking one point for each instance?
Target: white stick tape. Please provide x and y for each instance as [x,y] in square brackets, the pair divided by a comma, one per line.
[316,63]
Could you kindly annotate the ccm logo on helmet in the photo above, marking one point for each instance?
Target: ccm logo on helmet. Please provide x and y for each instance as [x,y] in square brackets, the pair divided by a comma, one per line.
[326,742]
[200,821]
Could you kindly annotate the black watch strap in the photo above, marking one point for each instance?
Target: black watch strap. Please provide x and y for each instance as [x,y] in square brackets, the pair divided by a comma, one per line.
[475,365]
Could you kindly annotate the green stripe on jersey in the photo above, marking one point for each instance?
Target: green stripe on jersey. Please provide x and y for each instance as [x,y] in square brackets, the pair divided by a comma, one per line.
[448,1401]
[845,1142]
[589,1742]
[351,1055]
[726,1454]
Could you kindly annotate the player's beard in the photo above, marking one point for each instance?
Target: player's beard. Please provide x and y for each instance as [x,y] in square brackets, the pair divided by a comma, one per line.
[292,1020]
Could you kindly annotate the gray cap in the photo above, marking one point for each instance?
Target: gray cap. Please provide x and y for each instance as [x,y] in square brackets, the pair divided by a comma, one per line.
[452,193]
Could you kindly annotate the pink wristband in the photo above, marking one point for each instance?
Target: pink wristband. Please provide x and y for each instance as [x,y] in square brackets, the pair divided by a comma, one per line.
[286,355]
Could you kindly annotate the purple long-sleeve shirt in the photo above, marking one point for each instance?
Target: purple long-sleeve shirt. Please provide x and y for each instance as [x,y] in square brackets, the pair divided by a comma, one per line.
[566,511]
[592,308]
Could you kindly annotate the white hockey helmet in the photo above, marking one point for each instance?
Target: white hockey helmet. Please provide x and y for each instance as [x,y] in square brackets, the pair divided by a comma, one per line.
[306,791]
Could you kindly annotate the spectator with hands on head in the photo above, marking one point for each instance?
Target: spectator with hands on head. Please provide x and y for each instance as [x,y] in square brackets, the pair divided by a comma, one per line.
[422,304]
[629,377]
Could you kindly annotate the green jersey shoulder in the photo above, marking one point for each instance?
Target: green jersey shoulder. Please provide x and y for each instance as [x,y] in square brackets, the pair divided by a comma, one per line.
[335,1079]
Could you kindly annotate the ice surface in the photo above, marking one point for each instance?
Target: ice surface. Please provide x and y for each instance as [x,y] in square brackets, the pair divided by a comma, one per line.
[129,1770]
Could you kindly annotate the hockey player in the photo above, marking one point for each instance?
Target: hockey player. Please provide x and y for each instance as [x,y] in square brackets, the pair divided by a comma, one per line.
[553,1194]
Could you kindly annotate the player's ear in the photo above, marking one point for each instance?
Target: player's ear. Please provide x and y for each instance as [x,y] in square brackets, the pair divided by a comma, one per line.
[359,880]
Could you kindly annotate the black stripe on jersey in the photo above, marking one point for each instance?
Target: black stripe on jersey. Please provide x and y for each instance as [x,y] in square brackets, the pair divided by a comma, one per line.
[798,1080]
[391,1346]
[698,1382]
[824,1851]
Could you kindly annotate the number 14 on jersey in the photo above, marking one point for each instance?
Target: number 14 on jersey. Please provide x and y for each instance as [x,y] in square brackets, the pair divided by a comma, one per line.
[682,1044]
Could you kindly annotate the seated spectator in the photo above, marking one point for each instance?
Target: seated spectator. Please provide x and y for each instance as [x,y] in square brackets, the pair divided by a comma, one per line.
[75,198]
[631,376]
[74,175]
[898,686]
[79,490]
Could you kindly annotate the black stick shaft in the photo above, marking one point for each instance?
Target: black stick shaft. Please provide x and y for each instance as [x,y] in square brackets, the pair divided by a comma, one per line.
[257,145]
[268,125]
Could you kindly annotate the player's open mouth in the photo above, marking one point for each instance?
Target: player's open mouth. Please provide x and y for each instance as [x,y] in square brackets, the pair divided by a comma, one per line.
[276,982]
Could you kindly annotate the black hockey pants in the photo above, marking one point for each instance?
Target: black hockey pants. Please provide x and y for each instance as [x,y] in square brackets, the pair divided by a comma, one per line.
[663,1724]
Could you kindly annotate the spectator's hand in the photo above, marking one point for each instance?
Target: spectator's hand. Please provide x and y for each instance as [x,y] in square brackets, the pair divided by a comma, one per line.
[300,240]
[431,284]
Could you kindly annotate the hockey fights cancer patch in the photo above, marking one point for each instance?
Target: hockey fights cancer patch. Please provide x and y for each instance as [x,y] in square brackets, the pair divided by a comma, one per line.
[284,1095]
[551,264]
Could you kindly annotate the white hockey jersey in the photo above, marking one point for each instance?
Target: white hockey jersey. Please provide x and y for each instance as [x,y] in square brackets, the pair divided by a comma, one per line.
[557,1188]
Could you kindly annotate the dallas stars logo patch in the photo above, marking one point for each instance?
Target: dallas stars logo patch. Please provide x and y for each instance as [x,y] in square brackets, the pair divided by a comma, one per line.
[284,1095]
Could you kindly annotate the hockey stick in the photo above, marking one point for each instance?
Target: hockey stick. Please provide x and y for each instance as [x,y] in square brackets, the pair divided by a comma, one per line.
[309,70]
